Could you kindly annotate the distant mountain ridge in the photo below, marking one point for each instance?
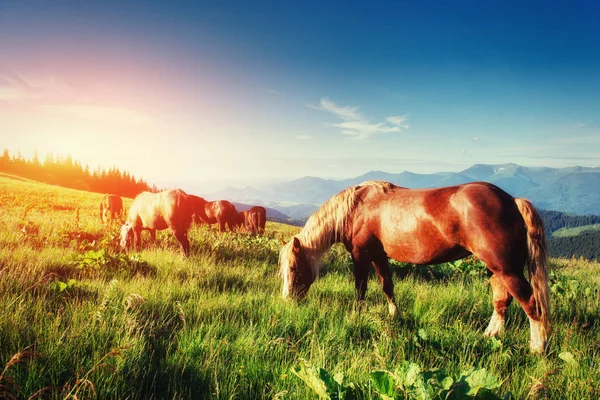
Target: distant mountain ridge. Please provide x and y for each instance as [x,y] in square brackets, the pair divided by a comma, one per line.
[573,190]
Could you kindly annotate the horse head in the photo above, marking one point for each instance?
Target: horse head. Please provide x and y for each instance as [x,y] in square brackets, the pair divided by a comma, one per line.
[296,269]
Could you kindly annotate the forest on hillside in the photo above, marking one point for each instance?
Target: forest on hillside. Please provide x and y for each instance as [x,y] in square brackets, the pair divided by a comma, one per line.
[586,245]
[66,172]
[555,220]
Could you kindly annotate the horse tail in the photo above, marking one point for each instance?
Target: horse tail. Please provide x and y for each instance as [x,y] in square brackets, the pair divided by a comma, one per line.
[536,259]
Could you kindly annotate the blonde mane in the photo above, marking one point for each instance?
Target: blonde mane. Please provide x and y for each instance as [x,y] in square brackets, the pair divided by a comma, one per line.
[327,225]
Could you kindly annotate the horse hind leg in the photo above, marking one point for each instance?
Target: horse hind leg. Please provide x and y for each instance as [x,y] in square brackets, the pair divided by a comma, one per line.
[501,299]
[521,290]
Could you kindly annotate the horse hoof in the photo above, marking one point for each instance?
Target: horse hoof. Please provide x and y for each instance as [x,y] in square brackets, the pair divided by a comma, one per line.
[537,347]
[393,310]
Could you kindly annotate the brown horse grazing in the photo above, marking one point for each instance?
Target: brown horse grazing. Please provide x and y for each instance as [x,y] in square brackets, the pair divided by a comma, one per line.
[376,220]
[111,205]
[220,212]
[254,219]
[157,211]
[198,209]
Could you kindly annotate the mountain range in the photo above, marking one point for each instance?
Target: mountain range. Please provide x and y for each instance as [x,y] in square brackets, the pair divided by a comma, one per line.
[573,190]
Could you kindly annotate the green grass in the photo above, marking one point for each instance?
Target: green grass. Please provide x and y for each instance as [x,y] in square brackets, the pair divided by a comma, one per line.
[565,232]
[83,320]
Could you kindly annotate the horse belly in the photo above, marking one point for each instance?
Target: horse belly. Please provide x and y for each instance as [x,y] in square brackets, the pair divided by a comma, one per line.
[419,242]
[155,222]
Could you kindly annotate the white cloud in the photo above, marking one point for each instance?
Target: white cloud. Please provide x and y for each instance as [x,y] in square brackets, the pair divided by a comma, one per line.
[363,129]
[303,137]
[345,113]
[579,126]
[356,125]
[398,120]
[476,139]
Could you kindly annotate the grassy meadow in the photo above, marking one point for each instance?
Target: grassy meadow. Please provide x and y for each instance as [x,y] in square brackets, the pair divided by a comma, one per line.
[565,232]
[79,319]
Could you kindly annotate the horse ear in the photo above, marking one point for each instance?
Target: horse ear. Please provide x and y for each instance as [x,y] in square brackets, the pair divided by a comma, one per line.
[296,245]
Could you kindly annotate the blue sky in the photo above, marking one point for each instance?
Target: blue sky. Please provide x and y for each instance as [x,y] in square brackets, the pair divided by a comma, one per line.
[221,92]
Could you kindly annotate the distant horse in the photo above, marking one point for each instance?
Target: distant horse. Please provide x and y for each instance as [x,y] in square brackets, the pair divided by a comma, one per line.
[220,212]
[254,219]
[198,205]
[157,211]
[376,220]
[111,205]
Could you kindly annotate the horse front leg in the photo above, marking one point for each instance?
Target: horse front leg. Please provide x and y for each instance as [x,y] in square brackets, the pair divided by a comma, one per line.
[382,267]
[183,240]
[361,276]
[137,238]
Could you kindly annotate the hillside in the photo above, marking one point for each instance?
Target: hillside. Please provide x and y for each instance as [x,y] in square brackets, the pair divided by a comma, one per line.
[69,173]
[573,190]
[584,244]
[81,319]
[566,232]
[555,220]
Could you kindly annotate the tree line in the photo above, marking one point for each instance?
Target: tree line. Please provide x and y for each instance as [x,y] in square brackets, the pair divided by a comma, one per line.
[555,220]
[64,171]
[583,245]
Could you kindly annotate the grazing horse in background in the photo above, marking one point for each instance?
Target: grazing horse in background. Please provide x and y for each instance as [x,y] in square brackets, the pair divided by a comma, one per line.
[157,211]
[220,212]
[254,219]
[376,220]
[198,208]
[111,205]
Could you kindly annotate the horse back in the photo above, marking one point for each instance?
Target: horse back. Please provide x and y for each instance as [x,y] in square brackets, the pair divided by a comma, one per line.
[167,209]
[425,226]
[176,208]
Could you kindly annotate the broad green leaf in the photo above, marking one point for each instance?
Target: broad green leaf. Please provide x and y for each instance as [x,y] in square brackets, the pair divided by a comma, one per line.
[330,384]
[383,382]
[568,358]
[481,379]
[339,378]
[309,376]
[447,383]
[412,374]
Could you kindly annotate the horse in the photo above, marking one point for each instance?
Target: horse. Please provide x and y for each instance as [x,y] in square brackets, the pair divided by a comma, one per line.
[157,211]
[378,220]
[111,205]
[220,212]
[254,219]
[198,205]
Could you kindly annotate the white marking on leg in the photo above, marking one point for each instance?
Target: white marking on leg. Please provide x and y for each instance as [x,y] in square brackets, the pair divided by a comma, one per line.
[539,336]
[392,309]
[495,326]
